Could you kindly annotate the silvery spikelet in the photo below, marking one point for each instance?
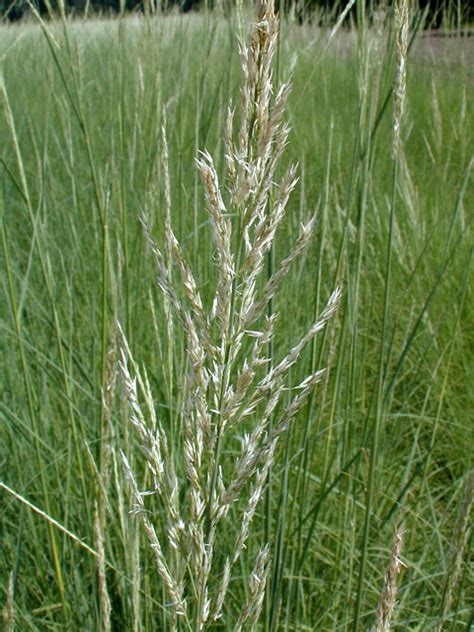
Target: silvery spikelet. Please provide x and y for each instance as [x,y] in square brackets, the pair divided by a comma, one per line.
[387,601]
[401,26]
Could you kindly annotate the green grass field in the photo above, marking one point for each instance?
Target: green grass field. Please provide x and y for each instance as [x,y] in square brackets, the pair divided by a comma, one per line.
[386,439]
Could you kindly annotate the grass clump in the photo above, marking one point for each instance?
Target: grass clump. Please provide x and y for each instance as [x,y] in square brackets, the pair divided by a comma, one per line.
[383,440]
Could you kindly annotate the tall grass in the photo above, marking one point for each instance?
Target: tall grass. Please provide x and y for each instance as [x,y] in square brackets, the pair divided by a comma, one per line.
[384,439]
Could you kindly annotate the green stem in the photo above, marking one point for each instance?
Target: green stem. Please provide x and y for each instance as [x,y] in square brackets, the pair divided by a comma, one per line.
[379,406]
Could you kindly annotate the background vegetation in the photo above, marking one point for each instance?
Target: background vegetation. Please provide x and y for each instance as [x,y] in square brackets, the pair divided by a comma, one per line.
[80,151]
[439,13]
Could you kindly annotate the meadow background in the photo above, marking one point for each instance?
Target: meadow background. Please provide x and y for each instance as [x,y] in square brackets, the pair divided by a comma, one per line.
[386,439]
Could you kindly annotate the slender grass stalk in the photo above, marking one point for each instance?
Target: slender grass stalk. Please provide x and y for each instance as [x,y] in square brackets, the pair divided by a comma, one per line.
[19,337]
[402,24]
[8,612]
[458,545]
[105,607]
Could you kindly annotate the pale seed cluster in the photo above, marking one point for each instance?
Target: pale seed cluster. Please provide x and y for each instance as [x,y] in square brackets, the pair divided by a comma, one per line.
[388,597]
[402,18]
[231,388]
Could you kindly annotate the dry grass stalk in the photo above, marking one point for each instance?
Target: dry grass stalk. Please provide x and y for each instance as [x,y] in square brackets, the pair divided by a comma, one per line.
[458,544]
[105,607]
[388,597]
[227,384]
[251,611]
[9,608]
[111,371]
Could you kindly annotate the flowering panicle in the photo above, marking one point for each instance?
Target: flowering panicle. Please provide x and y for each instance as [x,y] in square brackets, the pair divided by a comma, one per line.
[230,388]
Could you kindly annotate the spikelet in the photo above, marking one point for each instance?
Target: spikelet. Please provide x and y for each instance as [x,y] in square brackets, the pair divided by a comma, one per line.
[387,602]
[172,586]
[401,26]
[251,611]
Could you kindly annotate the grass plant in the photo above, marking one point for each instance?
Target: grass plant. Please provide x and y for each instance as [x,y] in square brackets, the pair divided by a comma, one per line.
[386,436]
